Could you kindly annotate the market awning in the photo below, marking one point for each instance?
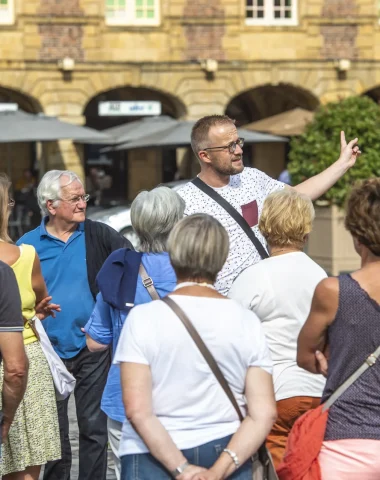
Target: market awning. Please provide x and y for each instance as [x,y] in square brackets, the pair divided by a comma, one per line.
[19,126]
[178,135]
[130,131]
[292,122]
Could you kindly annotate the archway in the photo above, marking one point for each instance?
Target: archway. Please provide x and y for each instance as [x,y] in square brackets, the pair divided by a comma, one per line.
[262,102]
[16,157]
[267,100]
[374,93]
[129,171]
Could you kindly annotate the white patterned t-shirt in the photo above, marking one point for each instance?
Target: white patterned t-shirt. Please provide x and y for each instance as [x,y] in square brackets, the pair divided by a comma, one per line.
[246,192]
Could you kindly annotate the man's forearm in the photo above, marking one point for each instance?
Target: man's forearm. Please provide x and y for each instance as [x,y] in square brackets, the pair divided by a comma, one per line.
[316,186]
[13,391]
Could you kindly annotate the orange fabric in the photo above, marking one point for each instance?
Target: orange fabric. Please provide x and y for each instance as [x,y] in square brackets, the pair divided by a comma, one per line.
[303,447]
[288,411]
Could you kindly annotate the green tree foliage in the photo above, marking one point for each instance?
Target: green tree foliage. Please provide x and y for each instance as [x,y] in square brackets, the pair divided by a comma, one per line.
[319,146]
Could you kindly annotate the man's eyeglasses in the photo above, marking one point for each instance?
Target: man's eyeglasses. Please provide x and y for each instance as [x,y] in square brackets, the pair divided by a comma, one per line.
[231,146]
[74,201]
[11,203]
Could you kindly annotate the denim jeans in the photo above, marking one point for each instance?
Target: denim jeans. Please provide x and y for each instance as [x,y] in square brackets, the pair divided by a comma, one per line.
[90,371]
[144,466]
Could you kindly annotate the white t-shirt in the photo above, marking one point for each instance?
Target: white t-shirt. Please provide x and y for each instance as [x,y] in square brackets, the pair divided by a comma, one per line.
[280,290]
[187,398]
[246,192]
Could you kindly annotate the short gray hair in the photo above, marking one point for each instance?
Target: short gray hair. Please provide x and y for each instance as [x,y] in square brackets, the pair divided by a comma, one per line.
[198,247]
[50,186]
[153,216]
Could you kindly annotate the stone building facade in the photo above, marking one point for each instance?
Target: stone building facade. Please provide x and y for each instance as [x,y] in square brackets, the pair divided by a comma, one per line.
[271,55]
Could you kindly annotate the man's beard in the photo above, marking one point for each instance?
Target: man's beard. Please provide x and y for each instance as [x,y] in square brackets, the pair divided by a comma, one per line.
[231,169]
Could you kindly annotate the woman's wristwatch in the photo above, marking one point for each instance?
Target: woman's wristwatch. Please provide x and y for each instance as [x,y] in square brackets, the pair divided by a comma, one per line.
[179,469]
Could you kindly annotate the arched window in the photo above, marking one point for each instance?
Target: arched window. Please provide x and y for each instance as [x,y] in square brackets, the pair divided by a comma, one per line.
[271,12]
[6,12]
[132,12]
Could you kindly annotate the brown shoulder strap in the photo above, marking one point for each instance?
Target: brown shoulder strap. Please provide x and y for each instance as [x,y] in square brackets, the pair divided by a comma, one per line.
[148,283]
[205,352]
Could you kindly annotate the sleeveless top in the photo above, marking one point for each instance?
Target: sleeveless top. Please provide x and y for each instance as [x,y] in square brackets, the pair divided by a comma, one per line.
[353,336]
[23,271]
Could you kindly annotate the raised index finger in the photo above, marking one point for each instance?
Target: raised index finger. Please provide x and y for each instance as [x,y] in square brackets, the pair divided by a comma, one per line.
[343,142]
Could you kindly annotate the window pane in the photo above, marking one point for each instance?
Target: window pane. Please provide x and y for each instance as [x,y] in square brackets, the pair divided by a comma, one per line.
[139,13]
[150,13]
[249,14]
[277,14]
[3,2]
[288,14]
[288,3]
[139,3]
[150,3]
[260,3]
[277,3]
[249,3]
[260,14]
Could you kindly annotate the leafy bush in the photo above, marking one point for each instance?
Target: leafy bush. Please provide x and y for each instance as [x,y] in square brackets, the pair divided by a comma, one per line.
[319,146]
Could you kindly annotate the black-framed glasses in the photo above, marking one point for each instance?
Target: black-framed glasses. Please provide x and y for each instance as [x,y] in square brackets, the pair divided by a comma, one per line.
[74,201]
[231,146]
[11,203]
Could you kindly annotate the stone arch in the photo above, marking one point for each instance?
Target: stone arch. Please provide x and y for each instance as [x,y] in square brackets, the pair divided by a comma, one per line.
[373,93]
[24,101]
[267,100]
[16,157]
[171,105]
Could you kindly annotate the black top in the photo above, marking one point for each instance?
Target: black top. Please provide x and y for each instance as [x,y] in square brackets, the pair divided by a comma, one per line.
[10,301]
[101,241]
[353,336]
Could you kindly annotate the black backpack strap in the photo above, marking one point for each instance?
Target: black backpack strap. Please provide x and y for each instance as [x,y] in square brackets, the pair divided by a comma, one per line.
[239,219]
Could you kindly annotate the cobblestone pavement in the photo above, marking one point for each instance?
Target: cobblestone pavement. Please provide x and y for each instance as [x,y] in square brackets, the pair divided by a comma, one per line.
[74,446]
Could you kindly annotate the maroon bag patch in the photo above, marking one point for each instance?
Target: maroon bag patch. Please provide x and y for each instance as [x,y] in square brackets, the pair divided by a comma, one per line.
[251,213]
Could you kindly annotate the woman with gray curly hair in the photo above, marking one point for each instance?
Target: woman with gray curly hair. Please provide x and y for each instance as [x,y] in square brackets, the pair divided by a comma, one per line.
[180,422]
[122,285]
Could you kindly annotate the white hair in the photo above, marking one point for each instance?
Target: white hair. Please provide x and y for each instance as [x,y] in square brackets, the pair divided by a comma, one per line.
[50,187]
[153,216]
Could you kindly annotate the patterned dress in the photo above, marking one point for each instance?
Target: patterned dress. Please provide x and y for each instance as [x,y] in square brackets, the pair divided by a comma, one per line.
[34,434]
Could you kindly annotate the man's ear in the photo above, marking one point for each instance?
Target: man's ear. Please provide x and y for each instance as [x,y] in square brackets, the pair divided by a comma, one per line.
[50,208]
[204,157]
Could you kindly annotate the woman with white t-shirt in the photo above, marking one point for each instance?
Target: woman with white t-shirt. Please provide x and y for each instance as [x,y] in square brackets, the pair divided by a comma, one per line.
[280,290]
[181,423]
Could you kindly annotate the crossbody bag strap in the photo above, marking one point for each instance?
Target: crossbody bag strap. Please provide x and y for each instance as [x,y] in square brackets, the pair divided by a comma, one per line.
[369,362]
[204,351]
[239,219]
[148,283]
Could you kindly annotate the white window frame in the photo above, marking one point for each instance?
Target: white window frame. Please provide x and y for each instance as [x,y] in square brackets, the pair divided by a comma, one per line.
[269,18]
[7,15]
[129,17]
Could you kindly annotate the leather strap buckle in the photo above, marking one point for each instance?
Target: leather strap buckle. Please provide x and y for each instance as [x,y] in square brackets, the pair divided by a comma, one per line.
[147,282]
[371,360]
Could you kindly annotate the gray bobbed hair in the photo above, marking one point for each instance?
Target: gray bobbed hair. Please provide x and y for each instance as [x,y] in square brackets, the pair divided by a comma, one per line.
[198,247]
[50,187]
[153,216]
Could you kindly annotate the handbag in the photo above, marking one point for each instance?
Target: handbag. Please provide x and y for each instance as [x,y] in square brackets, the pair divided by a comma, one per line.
[263,467]
[300,461]
[64,382]
[239,219]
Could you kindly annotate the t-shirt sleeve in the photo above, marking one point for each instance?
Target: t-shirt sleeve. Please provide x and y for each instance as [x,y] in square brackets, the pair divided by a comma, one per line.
[99,326]
[133,341]
[269,184]
[260,354]
[10,302]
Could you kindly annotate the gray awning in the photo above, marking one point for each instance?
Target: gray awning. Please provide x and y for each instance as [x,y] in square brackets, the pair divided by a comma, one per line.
[178,135]
[132,130]
[20,126]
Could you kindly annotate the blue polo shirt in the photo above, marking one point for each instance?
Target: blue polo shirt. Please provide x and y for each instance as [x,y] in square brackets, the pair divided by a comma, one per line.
[64,269]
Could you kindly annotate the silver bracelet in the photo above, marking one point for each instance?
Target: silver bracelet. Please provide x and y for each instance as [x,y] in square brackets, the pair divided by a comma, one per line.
[179,469]
[234,457]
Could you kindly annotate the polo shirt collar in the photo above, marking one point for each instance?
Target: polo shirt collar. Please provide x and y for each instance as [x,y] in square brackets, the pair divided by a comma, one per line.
[45,233]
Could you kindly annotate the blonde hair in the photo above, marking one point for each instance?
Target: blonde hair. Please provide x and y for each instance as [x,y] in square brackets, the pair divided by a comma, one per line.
[5,185]
[198,247]
[286,219]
